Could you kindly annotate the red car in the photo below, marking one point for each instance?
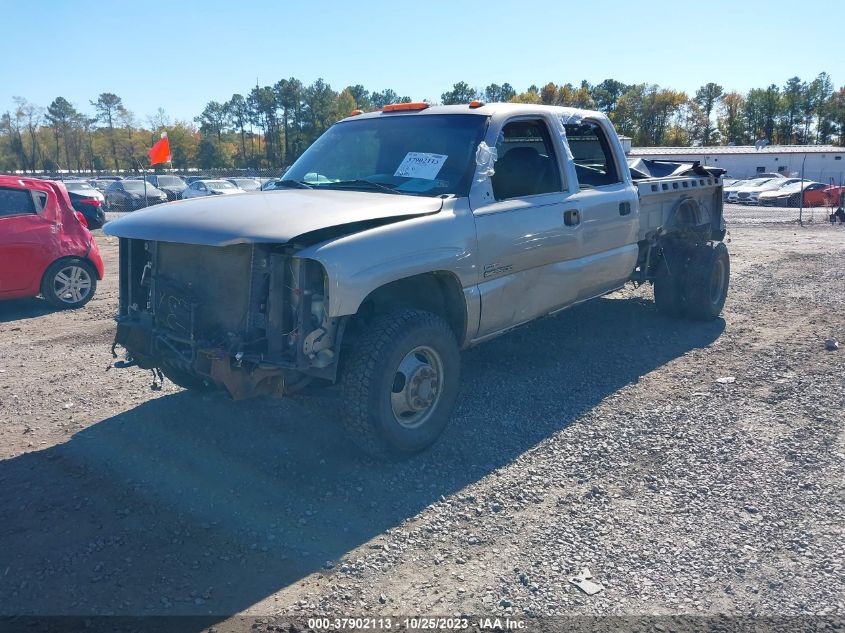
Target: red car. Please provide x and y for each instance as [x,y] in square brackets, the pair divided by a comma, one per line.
[833,196]
[45,246]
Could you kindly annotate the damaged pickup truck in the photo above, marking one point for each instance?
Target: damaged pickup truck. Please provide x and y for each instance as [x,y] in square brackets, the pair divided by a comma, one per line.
[400,237]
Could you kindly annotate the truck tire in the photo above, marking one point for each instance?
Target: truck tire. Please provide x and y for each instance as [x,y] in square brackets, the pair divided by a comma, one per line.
[69,283]
[399,384]
[707,279]
[669,291]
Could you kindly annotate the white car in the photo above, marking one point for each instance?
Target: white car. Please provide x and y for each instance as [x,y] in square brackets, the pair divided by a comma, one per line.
[247,184]
[84,189]
[789,195]
[210,187]
[750,193]
[728,189]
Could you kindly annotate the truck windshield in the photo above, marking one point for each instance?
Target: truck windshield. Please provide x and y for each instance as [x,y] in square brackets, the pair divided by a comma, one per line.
[426,155]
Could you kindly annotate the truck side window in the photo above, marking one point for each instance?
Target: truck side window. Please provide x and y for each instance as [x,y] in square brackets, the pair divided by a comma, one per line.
[16,202]
[526,165]
[591,152]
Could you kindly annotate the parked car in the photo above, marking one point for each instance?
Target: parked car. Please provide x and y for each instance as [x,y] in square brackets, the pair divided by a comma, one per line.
[129,195]
[750,192]
[377,264]
[173,186]
[88,201]
[247,184]
[210,187]
[192,179]
[834,196]
[45,247]
[101,183]
[727,190]
[790,195]
[269,184]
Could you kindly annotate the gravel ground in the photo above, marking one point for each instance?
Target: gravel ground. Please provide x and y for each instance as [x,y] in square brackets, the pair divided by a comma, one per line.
[694,468]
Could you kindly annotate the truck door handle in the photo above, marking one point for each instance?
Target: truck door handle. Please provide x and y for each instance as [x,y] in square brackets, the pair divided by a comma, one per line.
[624,208]
[572,217]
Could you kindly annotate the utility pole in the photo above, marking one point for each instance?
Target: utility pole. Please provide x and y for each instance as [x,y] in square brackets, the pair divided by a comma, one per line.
[801,194]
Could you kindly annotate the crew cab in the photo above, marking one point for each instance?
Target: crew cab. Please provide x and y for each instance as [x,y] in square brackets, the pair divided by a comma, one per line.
[401,237]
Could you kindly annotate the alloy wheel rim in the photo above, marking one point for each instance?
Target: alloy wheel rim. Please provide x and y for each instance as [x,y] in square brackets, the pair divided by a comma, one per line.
[72,284]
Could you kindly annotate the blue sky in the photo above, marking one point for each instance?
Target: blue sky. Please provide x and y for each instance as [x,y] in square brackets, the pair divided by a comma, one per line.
[179,55]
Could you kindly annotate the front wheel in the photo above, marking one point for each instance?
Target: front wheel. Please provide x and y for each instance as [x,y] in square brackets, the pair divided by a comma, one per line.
[400,383]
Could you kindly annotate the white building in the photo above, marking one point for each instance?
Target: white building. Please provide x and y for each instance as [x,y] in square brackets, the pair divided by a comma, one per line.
[822,163]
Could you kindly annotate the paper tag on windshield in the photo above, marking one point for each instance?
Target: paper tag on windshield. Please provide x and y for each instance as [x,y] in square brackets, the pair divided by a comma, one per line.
[421,165]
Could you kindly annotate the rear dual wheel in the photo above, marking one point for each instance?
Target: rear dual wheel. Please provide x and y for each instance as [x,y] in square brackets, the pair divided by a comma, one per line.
[694,283]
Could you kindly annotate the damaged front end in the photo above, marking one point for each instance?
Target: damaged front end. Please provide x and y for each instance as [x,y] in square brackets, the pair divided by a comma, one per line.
[250,318]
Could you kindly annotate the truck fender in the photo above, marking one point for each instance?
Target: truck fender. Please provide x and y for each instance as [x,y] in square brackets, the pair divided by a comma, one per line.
[686,213]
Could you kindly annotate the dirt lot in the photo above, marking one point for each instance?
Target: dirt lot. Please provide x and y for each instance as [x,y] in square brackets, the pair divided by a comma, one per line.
[601,438]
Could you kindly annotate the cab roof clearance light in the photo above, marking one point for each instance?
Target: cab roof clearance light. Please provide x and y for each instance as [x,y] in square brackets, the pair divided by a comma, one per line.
[398,107]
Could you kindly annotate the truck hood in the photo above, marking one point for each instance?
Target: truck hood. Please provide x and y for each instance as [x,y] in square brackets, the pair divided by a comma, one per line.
[269,217]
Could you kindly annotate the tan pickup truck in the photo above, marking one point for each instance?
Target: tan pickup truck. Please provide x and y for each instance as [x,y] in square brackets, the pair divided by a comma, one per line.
[401,237]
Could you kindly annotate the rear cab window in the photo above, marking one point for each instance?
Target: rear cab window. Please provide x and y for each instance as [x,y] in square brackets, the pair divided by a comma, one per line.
[16,202]
[593,157]
[526,164]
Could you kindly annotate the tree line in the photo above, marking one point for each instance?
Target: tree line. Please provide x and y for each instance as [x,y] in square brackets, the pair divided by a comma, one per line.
[270,126]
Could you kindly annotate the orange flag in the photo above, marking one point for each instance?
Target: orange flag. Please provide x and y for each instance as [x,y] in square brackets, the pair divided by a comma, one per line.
[160,152]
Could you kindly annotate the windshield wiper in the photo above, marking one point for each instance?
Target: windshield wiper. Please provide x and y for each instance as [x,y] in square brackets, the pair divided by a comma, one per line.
[294,184]
[360,181]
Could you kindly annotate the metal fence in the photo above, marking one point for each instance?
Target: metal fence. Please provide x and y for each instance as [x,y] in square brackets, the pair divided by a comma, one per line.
[233,173]
[755,214]
[188,173]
